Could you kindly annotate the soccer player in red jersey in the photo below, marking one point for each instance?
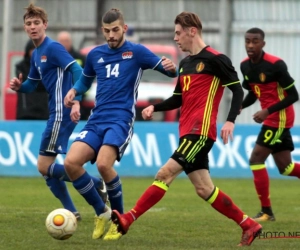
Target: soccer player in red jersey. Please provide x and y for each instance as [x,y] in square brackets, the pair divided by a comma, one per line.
[200,86]
[267,79]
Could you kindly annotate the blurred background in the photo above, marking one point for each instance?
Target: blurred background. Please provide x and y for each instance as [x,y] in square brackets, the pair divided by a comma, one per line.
[151,22]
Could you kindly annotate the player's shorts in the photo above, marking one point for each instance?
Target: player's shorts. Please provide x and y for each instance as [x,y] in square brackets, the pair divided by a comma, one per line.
[192,153]
[117,134]
[55,137]
[276,139]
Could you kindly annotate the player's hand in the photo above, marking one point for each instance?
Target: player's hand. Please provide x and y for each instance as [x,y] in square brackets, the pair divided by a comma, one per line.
[75,112]
[168,65]
[15,83]
[261,115]
[68,101]
[227,131]
[147,113]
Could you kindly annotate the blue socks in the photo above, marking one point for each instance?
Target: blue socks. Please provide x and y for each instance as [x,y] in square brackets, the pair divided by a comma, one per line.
[115,194]
[58,171]
[85,186]
[59,189]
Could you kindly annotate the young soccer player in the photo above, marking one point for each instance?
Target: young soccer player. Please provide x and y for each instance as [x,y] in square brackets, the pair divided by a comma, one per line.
[202,78]
[53,65]
[118,67]
[267,79]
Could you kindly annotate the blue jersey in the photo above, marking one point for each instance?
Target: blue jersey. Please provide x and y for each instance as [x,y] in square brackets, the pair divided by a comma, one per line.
[49,63]
[118,73]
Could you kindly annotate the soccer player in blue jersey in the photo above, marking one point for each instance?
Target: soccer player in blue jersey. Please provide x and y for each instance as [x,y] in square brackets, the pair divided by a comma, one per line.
[52,64]
[118,67]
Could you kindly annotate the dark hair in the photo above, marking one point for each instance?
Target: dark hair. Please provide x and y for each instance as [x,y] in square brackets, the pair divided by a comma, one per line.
[34,11]
[188,19]
[256,31]
[112,15]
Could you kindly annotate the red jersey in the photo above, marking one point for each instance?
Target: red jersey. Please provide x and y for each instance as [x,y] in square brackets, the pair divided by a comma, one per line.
[201,83]
[268,80]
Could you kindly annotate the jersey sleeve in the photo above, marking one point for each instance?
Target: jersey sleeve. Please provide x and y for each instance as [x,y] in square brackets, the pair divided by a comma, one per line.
[282,75]
[60,56]
[146,58]
[224,69]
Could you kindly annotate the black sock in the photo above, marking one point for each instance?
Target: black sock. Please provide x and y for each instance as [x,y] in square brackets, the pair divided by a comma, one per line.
[267,210]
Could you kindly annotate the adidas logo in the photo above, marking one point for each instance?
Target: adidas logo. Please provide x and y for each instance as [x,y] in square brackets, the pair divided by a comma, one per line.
[100,60]
[59,148]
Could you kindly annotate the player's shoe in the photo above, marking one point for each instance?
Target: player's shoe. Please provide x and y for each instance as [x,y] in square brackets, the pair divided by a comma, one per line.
[113,233]
[118,227]
[101,223]
[249,235]
[77,215]
[261,216]
[102,191]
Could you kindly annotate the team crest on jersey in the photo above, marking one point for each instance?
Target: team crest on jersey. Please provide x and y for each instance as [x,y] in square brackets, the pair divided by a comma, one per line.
[127,55]
[262,77]
[43,58]
[200,66]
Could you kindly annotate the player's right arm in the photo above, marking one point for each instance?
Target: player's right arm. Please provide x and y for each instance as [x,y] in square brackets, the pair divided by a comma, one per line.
[79,88]
[173,102]
[28,86]
[249,99]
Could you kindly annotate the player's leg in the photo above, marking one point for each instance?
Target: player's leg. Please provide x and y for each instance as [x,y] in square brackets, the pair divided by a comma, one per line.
[105,161]
[57,171]
[55,141]
[155,192]
[223,204]
[152,195]
[286,166]
[80,153]
[197,169]
[261,181]
[282,155]
[56,186]
[262,149]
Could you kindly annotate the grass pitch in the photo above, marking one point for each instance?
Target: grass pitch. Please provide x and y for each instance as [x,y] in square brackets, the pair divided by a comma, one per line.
[180,221]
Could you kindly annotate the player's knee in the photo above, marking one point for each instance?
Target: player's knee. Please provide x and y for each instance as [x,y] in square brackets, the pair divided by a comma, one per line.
[67,164]
[103,168]
[164,175]
[42,168]
[203,191]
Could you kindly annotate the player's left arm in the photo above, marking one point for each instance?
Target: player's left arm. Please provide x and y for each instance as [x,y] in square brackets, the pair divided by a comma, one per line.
[167,67]
[76,72]
[288,84]
[148,60]
[229,78]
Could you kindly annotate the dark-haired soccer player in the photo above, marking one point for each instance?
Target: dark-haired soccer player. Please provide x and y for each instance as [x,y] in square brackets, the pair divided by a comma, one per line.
[267,79]
[202,78]
[53,65]
[118,67]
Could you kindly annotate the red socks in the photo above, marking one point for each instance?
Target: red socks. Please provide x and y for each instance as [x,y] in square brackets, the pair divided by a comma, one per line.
[223,204]
[149,198]
[261,182]
[293,169]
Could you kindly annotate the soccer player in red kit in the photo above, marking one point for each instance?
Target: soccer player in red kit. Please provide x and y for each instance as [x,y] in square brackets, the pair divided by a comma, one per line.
[267,79]
[200,86]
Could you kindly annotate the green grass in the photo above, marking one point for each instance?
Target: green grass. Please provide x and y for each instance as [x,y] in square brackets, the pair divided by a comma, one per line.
[180,221]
